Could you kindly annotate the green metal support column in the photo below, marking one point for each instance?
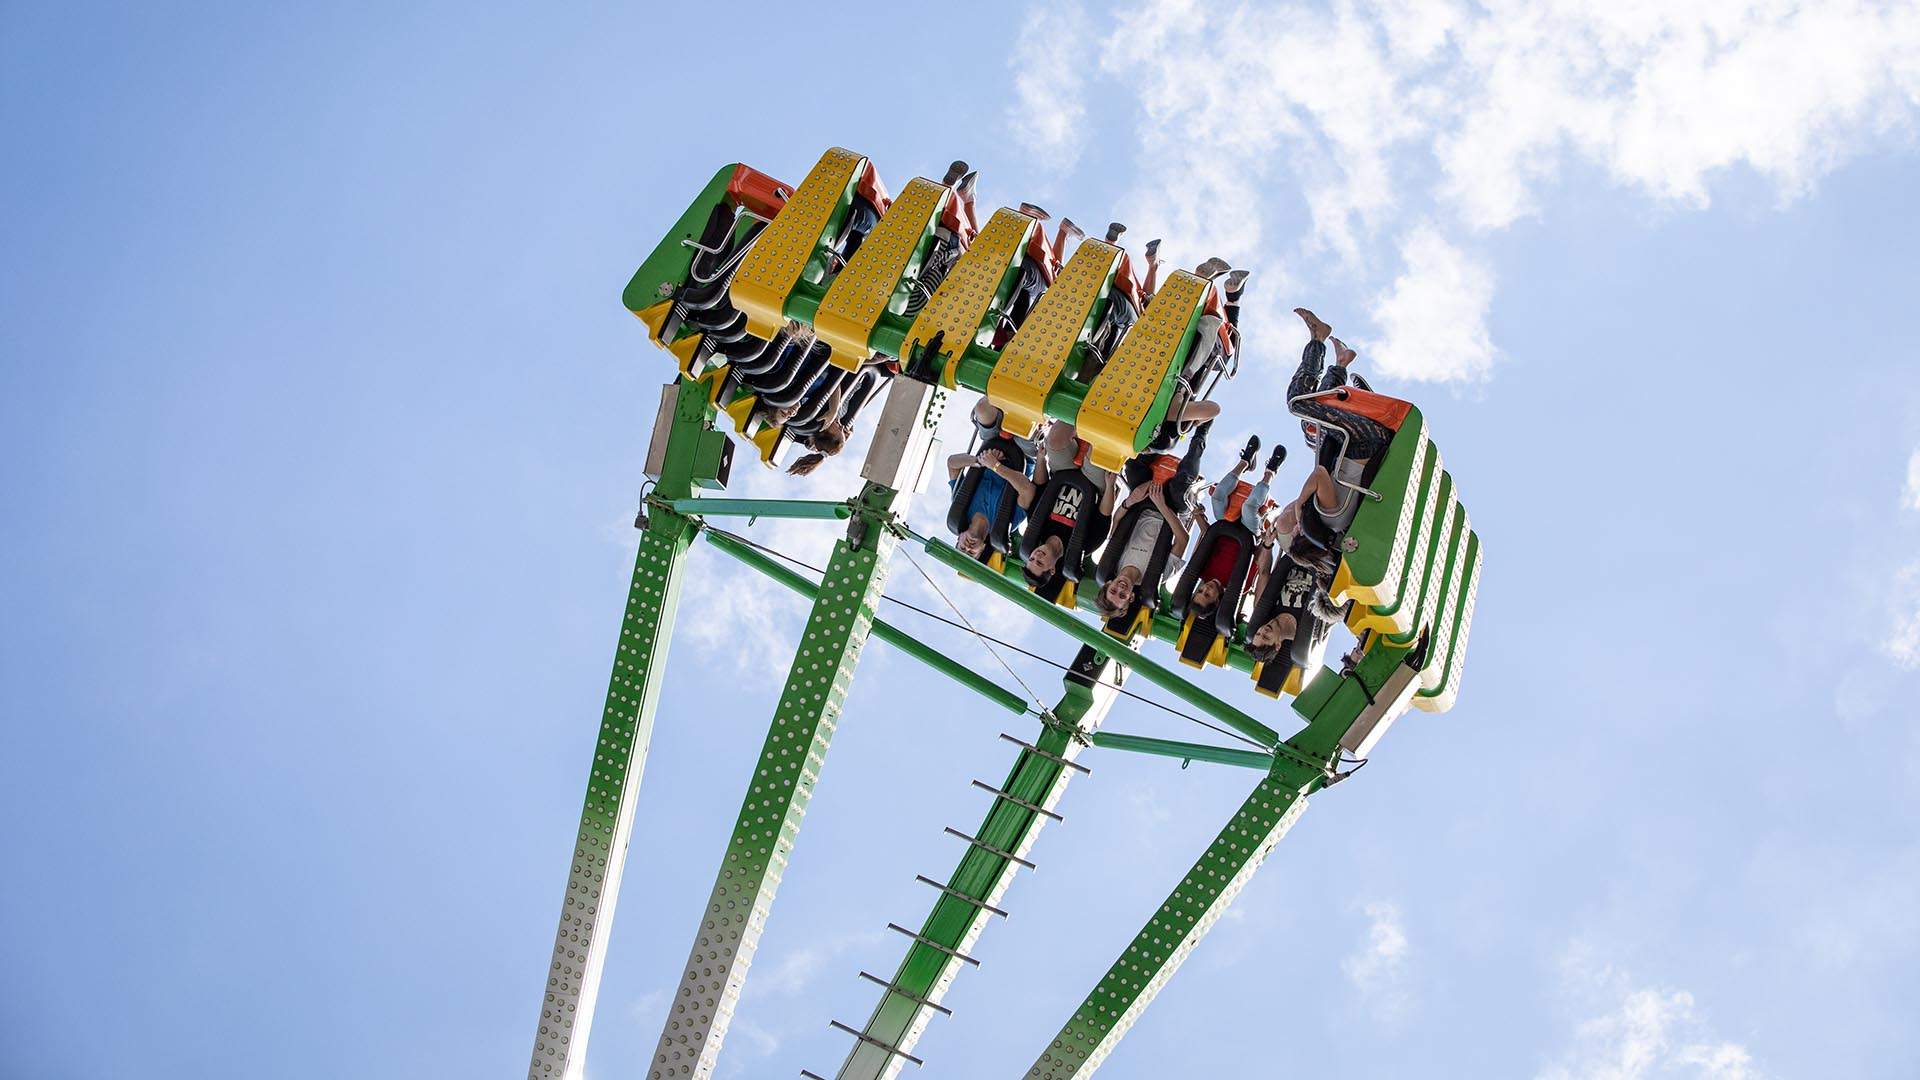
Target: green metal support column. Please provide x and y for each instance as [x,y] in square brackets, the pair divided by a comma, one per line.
[776,800]
[1197,903]
[972,895]
[619,757]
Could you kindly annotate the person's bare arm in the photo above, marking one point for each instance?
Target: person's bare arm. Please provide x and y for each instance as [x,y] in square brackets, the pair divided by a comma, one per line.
[1027,489]
[1109,494]
[1262,569]
[959,463]
[1174,521]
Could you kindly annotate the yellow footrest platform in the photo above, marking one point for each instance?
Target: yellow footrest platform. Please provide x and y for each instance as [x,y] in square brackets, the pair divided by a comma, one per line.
[959,308]
[1131,394]
[772,267]
[861,292]
[1031,363]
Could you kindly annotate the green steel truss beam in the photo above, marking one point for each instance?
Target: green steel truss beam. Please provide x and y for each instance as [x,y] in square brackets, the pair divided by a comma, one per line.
[971,896]
[776,801]
[1185,751]
[619,757]
[1130,985]
[814,509]
[1301,766]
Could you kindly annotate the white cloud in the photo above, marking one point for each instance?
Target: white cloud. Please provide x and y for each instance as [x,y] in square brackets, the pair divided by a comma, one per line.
[1903,645]
[1903,597]
[1048,115]
[741,618]
[1377,968]
[1426,121]
[796,971]
[1641,1033]
[1433,318]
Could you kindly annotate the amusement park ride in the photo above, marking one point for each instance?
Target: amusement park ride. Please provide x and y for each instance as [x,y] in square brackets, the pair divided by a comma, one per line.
[771,296]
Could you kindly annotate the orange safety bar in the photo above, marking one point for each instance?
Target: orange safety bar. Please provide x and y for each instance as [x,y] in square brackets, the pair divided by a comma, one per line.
[758,192]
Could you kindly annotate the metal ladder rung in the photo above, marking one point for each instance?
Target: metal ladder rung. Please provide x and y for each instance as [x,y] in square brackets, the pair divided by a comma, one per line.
[1017,800]
[1048,754]
[934,945]
[960,896]
[892,989]
[871,1041]
[990,849]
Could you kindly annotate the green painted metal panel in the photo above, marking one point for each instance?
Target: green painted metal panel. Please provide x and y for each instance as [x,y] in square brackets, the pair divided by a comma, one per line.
[619,758]
[667,267]
[805,509]
[1184,751]
[776,801]
[1432,561]
[1414,557]
[1173,931]
[1383,528]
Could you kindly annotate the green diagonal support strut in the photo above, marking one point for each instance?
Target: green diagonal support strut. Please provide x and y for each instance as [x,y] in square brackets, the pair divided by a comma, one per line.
[619,756]
[882,630]
[1197,903]
[1104,643]
[968,900]
[777,796]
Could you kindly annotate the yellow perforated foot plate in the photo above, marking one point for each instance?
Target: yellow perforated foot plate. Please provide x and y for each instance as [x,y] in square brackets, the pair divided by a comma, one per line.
[1031,363]
[1120,403]
[859,295]
[769,271]
[958,308]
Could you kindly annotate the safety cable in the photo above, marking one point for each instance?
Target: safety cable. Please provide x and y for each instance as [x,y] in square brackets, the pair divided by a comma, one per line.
[1046,714]
[1123,691]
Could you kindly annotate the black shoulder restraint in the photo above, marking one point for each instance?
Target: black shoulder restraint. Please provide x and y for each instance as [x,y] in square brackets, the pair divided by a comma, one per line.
[812,414]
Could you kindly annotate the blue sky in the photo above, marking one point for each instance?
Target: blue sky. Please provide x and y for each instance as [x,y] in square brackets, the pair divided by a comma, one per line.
[322,427]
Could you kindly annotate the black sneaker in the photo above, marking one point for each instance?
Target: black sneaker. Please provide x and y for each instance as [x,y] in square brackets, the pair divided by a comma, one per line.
[1252,449]
[1279,455]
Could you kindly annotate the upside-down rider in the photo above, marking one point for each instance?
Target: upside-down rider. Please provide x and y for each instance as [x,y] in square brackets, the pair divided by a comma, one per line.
[1213,574]
[993,505]
[1146,543]
[1327,501]
[1069,502]
[825,433]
